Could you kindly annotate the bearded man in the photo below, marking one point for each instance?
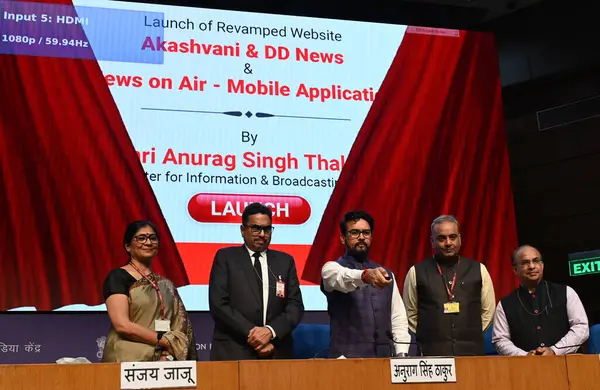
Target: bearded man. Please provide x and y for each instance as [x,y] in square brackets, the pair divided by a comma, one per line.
[368,318]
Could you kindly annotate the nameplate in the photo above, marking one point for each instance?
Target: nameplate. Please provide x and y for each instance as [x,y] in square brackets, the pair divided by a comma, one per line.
[158,375]
[423,370]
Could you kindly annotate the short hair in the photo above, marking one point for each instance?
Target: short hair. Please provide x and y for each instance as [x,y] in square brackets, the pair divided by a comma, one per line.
[444,218]
[255,208]
[515,253]
[355,216]
[134,227]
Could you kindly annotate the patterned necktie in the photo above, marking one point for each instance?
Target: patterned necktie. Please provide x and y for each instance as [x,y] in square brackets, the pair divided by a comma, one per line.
[258,269]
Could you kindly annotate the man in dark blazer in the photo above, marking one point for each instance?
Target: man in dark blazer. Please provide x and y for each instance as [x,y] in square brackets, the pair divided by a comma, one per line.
[254,295]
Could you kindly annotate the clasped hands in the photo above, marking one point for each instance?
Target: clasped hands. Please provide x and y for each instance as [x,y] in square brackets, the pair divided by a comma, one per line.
[259,338]
[164,354]
[167,349]
[541,351]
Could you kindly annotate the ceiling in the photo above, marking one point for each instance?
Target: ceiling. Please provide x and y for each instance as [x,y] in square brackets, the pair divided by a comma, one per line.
[459,14]
[490,8]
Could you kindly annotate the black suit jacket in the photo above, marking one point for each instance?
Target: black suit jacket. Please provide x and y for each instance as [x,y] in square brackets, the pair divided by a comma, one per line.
[235,307]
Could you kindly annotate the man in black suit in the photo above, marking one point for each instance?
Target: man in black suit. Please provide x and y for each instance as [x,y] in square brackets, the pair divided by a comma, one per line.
[254,294]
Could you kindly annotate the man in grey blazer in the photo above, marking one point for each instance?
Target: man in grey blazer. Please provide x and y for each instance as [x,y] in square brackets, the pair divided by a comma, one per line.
[254,294]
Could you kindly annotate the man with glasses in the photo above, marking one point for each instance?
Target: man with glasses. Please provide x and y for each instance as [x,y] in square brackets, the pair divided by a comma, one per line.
[364,304]
[539,317]
[254,294]
[449,298]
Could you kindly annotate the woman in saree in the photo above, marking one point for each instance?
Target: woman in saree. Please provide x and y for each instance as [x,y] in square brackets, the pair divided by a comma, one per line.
[148,318]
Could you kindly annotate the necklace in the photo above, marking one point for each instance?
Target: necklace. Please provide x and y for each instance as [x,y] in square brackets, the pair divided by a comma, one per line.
[545,309]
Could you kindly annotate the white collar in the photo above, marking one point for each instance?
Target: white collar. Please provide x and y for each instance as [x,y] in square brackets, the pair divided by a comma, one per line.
[251,252]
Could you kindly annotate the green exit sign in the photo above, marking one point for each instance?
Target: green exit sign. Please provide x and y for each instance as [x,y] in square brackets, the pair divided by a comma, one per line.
[587,266]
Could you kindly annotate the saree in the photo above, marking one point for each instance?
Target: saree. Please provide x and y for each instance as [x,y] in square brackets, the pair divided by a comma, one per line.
[144,309]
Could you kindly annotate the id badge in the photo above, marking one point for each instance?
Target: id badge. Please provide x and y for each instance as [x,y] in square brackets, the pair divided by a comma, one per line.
[280,289]
[162,326]
[451,308]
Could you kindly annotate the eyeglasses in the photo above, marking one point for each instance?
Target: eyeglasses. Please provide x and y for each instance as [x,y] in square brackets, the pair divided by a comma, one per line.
[256,229]
[143,238]
[355,233]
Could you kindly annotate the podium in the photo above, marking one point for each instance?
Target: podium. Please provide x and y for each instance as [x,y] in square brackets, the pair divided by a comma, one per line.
[103,376]
[583,371]
[575,372]
[489,373]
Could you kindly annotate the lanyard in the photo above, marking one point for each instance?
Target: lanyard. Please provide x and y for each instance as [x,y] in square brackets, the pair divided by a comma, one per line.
[449,290]
[155,286]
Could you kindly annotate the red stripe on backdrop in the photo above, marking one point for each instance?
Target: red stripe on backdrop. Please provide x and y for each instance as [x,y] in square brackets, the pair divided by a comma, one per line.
[71,182]
[198,259]
[433,143]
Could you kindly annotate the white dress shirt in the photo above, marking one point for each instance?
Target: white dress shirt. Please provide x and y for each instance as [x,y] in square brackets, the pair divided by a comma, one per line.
[339,278]
[411,299]
[265,283]
[577,334]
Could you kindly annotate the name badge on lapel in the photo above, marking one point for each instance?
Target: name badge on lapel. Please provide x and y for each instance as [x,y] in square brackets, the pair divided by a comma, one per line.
[451,308]
[280,288]
[162,326]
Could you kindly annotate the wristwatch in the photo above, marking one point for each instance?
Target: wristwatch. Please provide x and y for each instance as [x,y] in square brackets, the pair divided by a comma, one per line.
[169,357]
[402,354]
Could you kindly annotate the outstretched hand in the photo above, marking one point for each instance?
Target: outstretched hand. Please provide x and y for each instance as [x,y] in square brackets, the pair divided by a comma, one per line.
[377,277]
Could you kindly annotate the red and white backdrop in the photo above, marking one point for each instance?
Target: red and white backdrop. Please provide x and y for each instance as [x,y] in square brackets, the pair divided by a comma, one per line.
[432,142]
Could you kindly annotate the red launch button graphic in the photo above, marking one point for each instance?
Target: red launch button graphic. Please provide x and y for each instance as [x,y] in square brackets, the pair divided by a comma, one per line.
[228,208]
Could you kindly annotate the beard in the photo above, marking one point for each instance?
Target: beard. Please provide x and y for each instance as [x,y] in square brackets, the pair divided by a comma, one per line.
[359,251]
